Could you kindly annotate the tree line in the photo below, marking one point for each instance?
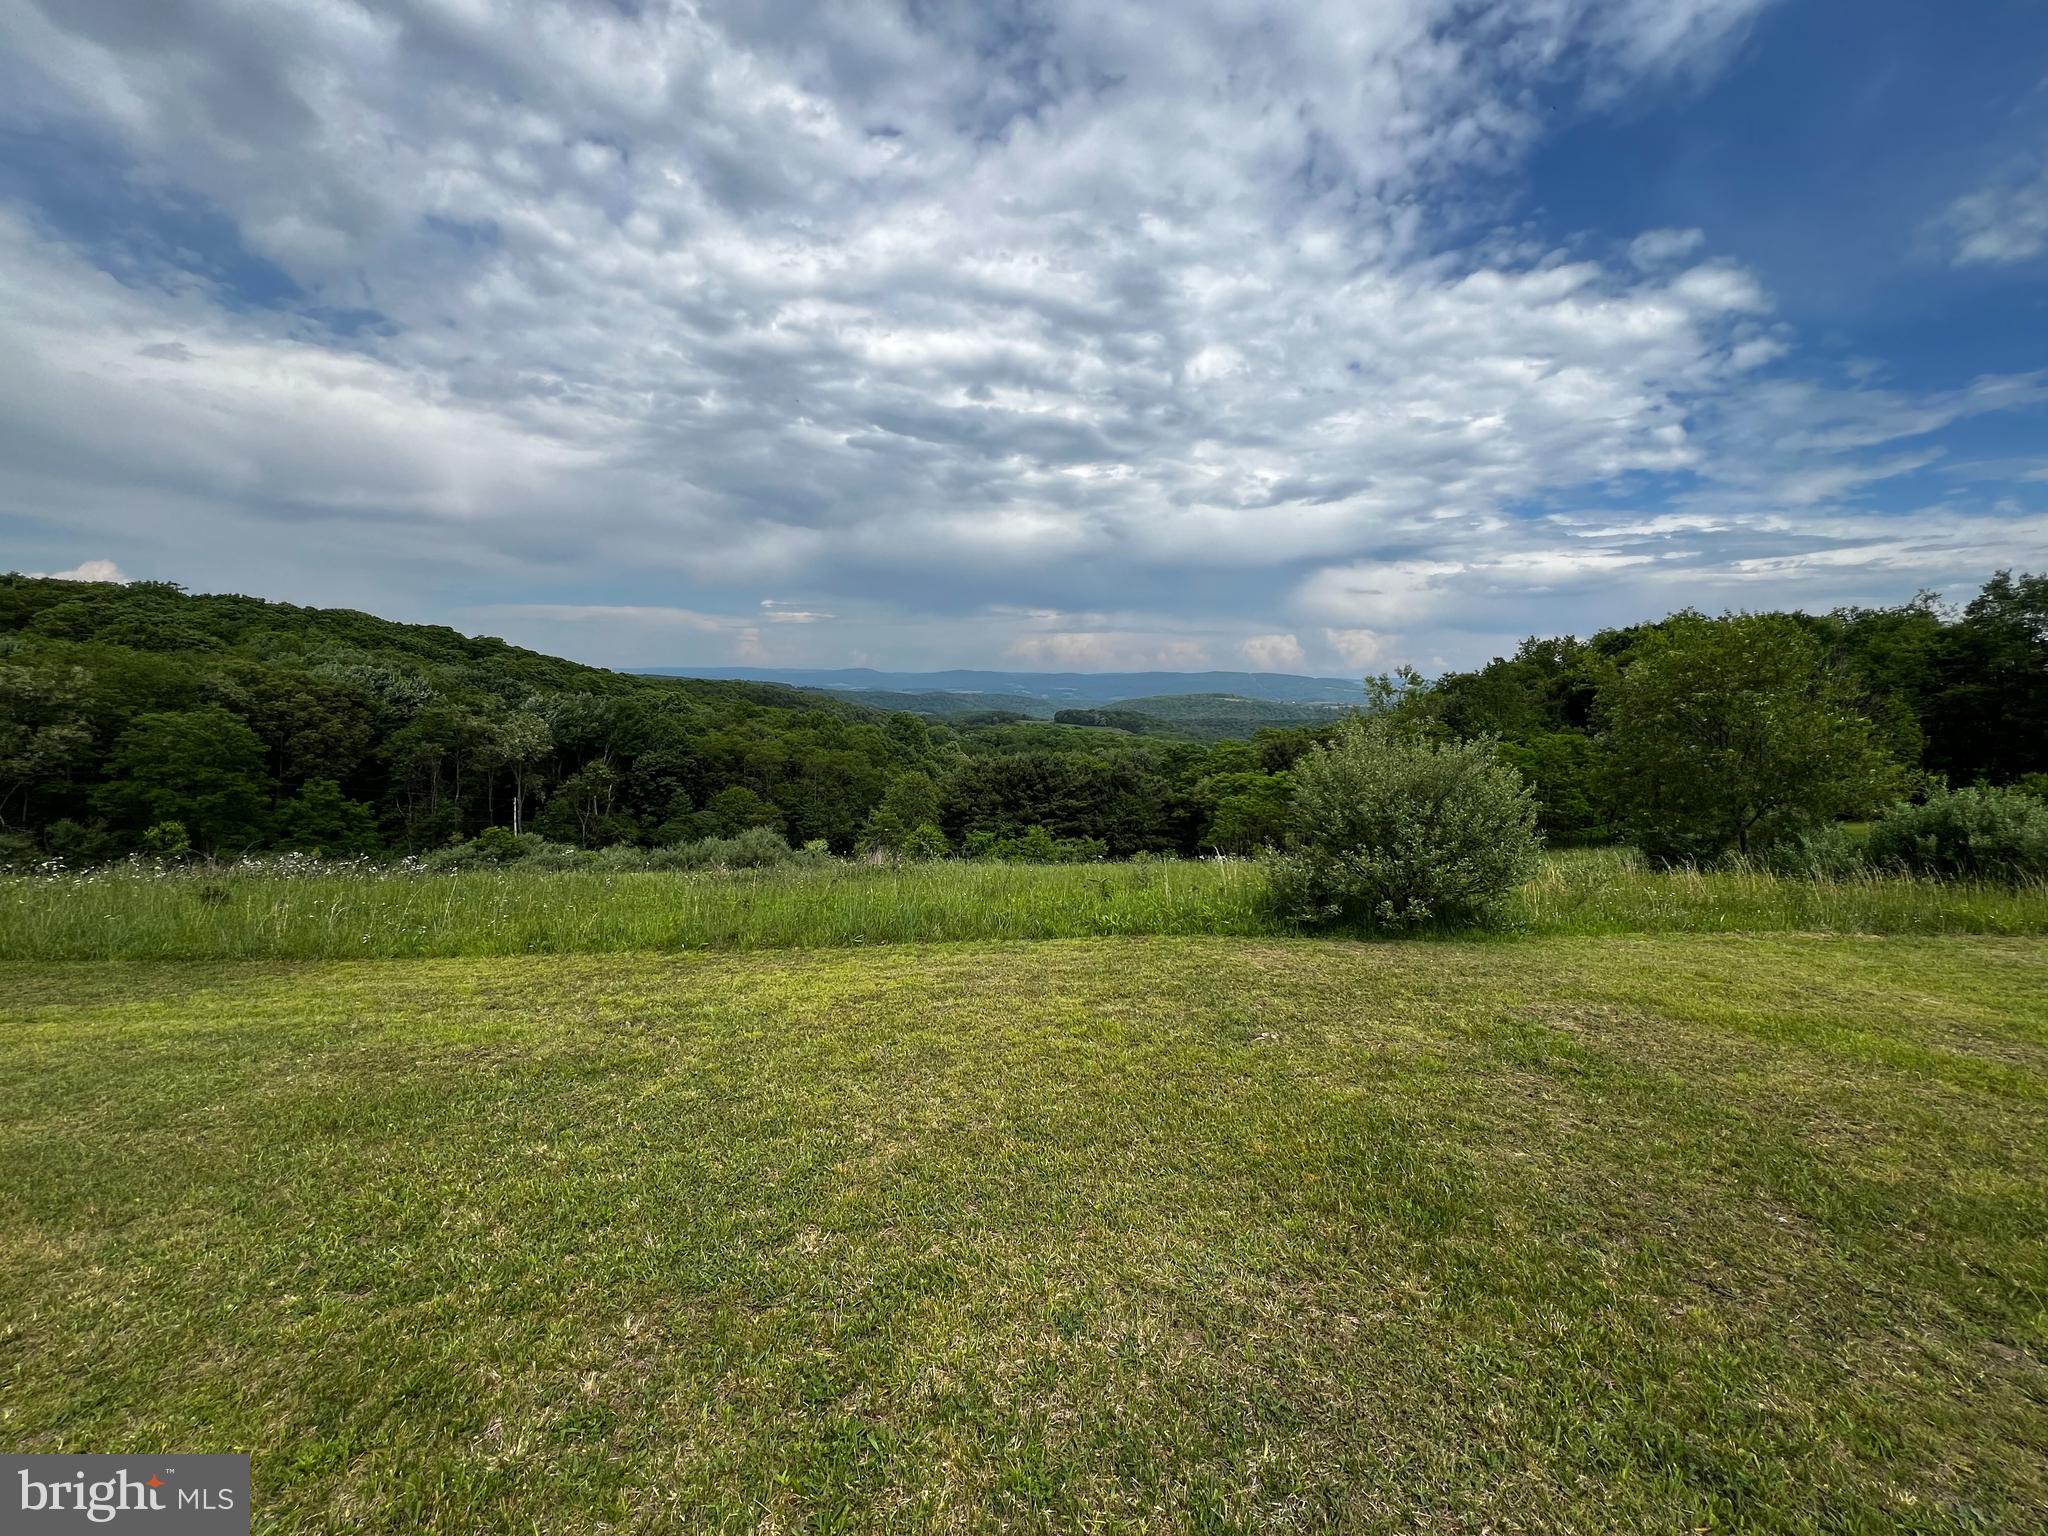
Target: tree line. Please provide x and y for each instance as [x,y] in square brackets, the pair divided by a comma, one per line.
[132,714]
[135,716]
[1697,736]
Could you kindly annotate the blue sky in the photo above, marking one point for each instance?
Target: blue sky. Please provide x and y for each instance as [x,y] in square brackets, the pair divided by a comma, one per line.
[1080,335]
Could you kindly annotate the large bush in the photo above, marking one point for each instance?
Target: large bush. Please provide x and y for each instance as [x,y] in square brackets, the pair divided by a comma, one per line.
[755,848]
[1396,830]
[1735,734]
[1988,834]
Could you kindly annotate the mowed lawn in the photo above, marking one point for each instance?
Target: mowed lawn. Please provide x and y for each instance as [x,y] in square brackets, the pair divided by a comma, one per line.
[1669,1233]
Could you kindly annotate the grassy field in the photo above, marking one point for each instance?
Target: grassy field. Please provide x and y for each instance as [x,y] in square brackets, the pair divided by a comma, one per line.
[1677,1233]
[144,914]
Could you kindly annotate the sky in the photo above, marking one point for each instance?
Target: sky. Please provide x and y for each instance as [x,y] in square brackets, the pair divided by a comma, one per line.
[1069,334]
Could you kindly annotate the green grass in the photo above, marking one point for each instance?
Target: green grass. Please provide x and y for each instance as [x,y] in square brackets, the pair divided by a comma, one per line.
[1675,1233]
[124,914]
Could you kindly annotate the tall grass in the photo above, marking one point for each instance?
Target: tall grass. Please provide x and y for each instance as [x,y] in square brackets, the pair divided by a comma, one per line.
[305,912]
[137,914]
[1612,890]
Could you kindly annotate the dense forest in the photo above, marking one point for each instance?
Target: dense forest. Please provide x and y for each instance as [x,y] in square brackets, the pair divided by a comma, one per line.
[140,717]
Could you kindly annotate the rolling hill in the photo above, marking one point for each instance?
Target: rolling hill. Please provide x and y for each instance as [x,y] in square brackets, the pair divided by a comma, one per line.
[1057,689]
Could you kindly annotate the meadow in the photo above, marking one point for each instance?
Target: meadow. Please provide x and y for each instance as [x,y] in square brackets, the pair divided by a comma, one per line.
[303,910]
[960,1195]
[1669,1232]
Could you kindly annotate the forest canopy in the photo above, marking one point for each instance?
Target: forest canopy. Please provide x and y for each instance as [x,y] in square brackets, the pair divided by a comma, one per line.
[127,709]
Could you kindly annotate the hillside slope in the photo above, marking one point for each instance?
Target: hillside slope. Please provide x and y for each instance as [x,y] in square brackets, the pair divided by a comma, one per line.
[237,722]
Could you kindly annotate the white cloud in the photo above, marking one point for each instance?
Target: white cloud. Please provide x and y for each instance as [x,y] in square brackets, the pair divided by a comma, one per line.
[1391,594]
[86,570]
[1140,316]
[1663,247]
[776,612]
[2004,221]
[1108,651]
[1356,648]
[1274,653]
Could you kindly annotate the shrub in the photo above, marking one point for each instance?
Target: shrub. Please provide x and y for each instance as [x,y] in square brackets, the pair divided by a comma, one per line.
[79,846]
[1981,833]
[495,846]
[166,840]
[755,848]
[1395,830]
[1036,846]
[925,841]
[1831,852]
[504,845]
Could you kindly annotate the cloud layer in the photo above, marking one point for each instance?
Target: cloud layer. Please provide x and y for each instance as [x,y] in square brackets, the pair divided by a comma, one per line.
[1072,334]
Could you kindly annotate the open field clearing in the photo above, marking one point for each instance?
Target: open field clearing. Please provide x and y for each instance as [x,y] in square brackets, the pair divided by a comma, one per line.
[1643,1234]
[191,914]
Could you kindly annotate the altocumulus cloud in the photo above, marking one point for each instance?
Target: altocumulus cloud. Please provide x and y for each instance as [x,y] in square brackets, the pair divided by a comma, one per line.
[1075,333]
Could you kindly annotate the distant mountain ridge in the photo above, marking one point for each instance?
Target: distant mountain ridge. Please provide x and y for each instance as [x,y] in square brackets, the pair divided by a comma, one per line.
[1057,689]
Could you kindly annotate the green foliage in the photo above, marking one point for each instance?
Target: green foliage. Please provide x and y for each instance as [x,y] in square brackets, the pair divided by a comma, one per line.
[1133,721]
[756,847]
[496,847]
[1035,846]
[1395,830]
[1737,733]
[911,803]
[320,819]
[1563,770]
[200,767]
[1981,833]
[1127,798]
[586,809]
[925,841]
[1247,810]
[441,737]
[501,845]
[166,840]
[76,844]
[1829,852]
[1988,714]
[738,810]
[45,736]
[1222,716]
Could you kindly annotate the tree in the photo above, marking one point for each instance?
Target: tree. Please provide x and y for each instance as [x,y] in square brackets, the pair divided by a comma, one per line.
[1247,811]
[312,727]
[1395,829]
[1991,719]
[911,801]
[200,767]
[44,736]
[320,819]
[517,744]
[925,841]
[1736,732]
[583,809]
[1562,769]
[734,810]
